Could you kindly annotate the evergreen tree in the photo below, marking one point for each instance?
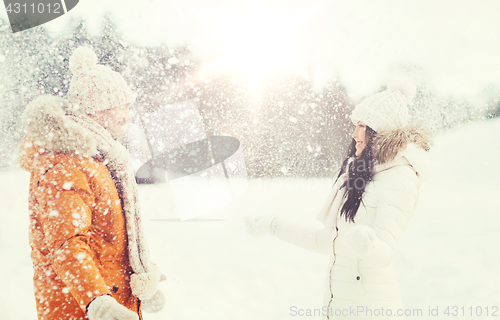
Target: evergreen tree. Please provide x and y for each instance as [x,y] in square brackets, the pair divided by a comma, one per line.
[110,48]
[21,67]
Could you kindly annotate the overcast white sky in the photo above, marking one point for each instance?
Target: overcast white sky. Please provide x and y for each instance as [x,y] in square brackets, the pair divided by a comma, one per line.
[453,44]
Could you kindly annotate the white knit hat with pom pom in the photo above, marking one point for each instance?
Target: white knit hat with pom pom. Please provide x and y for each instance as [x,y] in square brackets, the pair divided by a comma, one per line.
[386,110]
[95,87]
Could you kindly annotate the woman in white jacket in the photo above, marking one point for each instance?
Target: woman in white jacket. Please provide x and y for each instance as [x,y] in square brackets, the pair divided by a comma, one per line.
[369,206]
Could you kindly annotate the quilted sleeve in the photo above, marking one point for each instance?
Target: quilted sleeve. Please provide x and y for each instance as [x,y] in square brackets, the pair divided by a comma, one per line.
[64,197]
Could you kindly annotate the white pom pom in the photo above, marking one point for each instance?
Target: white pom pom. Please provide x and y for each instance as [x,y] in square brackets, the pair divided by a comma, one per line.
[144,285]
[405,85]
[81,58]
[155,303]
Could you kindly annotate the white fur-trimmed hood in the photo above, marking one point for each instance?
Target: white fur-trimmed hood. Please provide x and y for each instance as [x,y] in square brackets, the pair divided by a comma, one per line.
[47,125]
[418,159]
[409,144]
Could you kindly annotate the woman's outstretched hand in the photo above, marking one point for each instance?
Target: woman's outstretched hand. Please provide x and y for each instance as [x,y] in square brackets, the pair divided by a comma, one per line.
[259,225]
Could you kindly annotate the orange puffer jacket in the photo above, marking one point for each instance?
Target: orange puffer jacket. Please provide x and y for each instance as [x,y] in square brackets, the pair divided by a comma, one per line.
[77,233]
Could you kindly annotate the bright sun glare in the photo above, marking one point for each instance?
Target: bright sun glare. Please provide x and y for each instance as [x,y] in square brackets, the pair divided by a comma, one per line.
[255,43]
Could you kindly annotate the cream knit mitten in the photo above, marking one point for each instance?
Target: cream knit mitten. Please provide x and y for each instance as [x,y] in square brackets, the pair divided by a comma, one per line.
[106,307]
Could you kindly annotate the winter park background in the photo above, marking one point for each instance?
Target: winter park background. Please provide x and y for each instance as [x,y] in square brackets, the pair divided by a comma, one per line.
[282,77]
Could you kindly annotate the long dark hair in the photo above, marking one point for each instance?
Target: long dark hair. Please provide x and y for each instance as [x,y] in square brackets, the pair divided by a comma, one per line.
[358,177]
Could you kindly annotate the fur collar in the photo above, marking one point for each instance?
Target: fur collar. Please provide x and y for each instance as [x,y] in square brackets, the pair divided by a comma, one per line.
[47,126]
[405,145]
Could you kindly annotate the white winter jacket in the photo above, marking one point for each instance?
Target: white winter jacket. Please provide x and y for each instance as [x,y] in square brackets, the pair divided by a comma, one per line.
[361,281]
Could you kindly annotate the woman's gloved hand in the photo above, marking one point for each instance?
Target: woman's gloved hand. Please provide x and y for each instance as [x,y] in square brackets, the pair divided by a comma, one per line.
[260,225]
[106,307]
[360,240]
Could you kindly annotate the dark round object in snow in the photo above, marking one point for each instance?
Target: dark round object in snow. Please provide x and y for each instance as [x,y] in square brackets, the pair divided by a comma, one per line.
[188,159]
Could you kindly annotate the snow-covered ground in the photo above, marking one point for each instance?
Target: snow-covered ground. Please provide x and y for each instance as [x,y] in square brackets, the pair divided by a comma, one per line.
[448,256]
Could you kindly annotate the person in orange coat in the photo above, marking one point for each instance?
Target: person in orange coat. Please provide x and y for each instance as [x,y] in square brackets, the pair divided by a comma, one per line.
[89,252]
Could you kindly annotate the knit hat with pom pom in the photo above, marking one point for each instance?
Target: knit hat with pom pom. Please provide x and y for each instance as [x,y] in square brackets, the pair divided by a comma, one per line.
[386,110]
[95,87]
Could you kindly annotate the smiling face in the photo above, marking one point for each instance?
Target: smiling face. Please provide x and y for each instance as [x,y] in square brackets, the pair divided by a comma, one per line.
[360,136]
[114,121]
